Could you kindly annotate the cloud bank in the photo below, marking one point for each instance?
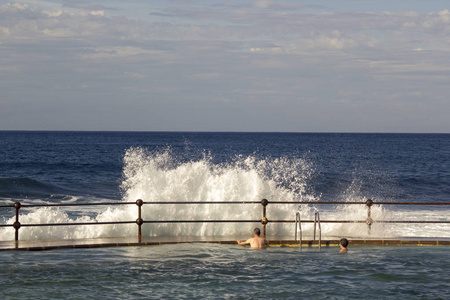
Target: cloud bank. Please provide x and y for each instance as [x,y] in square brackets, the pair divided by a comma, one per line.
[223,66]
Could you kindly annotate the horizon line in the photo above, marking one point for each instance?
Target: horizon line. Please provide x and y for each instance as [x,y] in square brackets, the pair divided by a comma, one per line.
[220,131]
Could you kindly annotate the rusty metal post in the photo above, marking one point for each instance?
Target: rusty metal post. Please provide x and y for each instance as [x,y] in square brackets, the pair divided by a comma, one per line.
[264,220]
[16,224]
[139,220]
[369,220]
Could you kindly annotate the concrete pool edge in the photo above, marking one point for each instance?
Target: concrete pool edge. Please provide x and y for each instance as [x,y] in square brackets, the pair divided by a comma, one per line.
[274,241]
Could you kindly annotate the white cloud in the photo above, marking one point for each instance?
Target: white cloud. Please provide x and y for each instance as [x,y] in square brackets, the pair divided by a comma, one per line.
[135,75]
[119,52]
[98,13]
[58,32]
[57,13]
[4,30]
[444,16]
[333,43]
[18,6]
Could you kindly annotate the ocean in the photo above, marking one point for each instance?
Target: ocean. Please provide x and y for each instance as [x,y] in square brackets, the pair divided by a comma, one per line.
[86,167]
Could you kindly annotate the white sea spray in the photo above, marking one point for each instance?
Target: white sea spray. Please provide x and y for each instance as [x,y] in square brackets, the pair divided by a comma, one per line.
[161,176]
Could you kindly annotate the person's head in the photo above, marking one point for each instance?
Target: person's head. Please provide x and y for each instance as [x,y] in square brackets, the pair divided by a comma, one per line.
[344,243]
[257,231]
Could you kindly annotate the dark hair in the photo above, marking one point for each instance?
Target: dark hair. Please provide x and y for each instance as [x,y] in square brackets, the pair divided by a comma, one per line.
[344,242]
[257,231]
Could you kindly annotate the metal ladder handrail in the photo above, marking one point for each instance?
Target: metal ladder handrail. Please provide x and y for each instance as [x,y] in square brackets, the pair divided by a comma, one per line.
[298,220]
[316,222]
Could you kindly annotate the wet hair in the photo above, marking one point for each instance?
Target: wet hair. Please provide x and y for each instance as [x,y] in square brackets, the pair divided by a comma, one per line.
[344,243]
[257,231]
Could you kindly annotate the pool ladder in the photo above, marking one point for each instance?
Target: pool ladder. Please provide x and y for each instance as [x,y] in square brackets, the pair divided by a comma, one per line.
[316,222]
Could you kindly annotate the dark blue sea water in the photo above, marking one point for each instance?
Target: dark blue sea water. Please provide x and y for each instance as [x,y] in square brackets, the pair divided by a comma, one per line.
[89,165]
[80,167]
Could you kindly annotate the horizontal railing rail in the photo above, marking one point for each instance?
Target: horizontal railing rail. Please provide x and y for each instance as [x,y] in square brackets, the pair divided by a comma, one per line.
[68,204]
[264,220]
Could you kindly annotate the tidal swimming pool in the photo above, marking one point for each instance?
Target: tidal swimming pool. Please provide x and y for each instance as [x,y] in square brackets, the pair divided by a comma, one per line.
[199,271]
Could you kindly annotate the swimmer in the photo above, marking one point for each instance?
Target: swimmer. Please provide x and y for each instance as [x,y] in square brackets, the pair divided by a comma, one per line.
[256,242]
[343,243]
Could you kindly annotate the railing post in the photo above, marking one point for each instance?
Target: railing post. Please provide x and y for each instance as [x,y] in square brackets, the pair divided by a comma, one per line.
[264,220]
[139,220]
[16,224]
[369,220]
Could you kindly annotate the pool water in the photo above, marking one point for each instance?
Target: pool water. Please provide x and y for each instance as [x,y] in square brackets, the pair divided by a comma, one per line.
[199,271]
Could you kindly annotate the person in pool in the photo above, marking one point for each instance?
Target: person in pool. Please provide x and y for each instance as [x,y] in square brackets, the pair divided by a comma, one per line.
[343,243]
[256,242]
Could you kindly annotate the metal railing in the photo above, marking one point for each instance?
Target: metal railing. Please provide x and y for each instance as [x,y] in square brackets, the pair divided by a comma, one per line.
[264,220]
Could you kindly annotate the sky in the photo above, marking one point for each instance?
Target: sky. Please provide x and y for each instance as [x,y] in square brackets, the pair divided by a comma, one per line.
[207,65]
